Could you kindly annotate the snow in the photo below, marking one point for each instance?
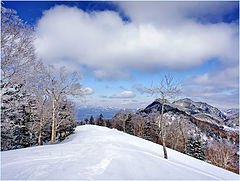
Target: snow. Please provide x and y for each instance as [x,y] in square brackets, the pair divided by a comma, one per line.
[95,152]
[227,128]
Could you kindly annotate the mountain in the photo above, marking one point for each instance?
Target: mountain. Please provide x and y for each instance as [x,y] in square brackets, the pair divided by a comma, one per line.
[230,112]
[195,115]
[232,118]
[100,153]
[232,121]
[201,110]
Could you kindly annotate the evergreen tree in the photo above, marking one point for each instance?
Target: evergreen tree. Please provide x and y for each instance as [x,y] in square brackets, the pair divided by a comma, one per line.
[17,119]
[65,120]
[100,120]
[128,125]
[108,123]
[86,120]
[91,121]
[196,148]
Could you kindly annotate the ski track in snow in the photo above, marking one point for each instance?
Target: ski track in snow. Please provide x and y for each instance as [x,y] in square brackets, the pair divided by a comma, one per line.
[94,153]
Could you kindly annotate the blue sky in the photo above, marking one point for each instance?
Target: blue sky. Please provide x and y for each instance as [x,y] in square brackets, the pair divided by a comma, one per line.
[121,48]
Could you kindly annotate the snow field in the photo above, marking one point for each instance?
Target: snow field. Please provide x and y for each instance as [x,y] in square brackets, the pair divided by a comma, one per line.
[100,153]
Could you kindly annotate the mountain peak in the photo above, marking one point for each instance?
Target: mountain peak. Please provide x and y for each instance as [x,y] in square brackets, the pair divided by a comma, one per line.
[201,110]
[186,100]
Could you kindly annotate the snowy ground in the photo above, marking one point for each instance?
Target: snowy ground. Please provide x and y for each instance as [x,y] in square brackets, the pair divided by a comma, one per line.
[95,152]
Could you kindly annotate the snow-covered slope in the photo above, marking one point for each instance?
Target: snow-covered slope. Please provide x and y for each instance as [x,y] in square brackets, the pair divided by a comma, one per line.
[95,152]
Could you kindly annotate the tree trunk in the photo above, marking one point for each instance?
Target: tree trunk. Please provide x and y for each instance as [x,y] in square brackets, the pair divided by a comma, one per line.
[176,143]
[124,125]
[162,131]
[39,137]
[40,133]
[53,134]
[184,141]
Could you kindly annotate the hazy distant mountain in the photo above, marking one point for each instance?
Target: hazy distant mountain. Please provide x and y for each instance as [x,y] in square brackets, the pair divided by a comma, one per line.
[87,112]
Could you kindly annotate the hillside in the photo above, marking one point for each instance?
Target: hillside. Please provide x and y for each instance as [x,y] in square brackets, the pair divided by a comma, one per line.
[194,116]
[95,152]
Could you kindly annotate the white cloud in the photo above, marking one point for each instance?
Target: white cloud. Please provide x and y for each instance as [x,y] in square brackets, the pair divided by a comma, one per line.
[87,91]
[109,46]
[124,95]
[227,77]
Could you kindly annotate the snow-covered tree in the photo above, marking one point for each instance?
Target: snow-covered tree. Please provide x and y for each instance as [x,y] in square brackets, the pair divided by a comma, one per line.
[57,85]
[65,119]
[17,62]
[28,89]
[196,148]
[17,50]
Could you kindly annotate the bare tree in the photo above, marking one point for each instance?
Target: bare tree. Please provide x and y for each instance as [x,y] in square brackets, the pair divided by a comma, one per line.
[43,108]
[181,124]
[223,154]
[167,89]
[123,118]
[175,136]
[58,85]
[138,125]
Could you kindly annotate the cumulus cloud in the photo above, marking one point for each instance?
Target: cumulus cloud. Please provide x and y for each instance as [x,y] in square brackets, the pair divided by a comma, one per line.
[109,46]
[227,77]
[87,91]
[124,95]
